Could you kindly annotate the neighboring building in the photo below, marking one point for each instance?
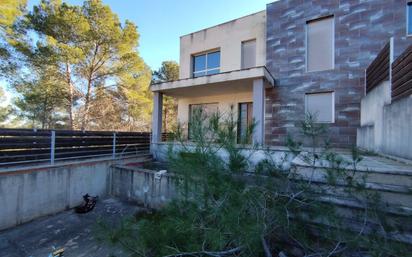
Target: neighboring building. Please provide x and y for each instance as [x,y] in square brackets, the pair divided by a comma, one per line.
[276,65]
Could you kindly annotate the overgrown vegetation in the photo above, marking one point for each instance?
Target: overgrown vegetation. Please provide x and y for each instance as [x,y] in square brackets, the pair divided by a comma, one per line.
[224,209]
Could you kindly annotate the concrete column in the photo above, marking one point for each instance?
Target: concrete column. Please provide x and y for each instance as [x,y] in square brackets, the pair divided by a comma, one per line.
[259,111]
[157,117]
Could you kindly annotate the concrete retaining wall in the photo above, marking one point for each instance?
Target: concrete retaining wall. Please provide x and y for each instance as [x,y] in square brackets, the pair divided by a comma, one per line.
[278,154]
[385,126]
[27,193]
[142,186]
[397,128]
[371,132]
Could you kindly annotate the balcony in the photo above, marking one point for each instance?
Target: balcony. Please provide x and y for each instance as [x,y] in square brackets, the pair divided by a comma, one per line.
[216,83]
[223,89]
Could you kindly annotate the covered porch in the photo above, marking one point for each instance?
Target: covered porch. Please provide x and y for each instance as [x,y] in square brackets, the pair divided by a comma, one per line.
[244,90]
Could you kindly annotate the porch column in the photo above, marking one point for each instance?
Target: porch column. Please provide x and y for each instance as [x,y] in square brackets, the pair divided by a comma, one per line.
[259,111]
[157,117]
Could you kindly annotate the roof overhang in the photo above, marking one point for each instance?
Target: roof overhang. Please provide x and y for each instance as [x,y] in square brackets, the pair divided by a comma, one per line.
[223,78]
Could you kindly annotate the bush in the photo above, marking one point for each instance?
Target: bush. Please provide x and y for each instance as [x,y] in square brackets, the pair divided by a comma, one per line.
[224,210]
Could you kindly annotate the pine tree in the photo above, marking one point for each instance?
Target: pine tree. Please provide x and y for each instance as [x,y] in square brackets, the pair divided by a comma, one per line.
[93,54]
[169,71]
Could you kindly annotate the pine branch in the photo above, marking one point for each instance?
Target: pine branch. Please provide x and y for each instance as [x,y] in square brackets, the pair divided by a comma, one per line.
[207,253]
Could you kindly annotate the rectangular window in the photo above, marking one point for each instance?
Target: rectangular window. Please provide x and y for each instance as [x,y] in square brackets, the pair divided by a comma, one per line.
[248,54]
[206,64]
[245,121]
[207,109]
[409,18]
[320,37]
[321,106]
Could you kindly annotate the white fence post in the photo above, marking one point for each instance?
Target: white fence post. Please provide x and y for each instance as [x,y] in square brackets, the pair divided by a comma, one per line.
[114,146]
[52,146]
[391,60]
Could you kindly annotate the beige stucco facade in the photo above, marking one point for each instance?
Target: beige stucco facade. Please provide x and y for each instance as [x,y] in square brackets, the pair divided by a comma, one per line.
[233,84]
[227,37]
[224,101]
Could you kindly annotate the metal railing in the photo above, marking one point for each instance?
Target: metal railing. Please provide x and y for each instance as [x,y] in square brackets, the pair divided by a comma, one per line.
[20,146]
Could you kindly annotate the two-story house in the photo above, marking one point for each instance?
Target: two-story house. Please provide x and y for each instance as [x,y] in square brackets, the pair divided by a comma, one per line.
[293,58]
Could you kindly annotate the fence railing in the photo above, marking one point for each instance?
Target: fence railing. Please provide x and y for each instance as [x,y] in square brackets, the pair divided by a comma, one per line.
[167,136]
[378,71]
[19,146]
[385,68]
[402,75]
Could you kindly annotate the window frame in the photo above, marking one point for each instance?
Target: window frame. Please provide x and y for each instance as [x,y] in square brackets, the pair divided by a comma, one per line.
[239,128]
[331,16]
[206,70]
[242,54]
[333,120]
[190,106]
[408,17]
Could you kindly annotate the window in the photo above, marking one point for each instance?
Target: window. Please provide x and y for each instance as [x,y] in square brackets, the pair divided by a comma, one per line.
[245,121]
[207,110]
[409,18]
[322,106]
[248,54]
[206,64]
[320,36]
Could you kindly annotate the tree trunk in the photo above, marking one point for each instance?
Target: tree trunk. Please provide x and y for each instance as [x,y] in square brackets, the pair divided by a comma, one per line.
[70,85]
[89,89]
[44,118]
[165,121]
[87,104]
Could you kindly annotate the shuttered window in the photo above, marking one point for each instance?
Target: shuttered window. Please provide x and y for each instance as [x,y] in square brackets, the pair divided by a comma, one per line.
[248,54]
[321,106]
[320,44]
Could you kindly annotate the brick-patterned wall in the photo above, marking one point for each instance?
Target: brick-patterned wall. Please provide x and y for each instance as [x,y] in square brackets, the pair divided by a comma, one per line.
[362,28]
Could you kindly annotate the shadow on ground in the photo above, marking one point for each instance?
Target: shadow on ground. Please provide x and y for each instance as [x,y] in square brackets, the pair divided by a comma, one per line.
[72,231]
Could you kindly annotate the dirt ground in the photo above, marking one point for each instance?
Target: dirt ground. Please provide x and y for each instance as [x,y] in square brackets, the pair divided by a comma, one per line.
[69,230]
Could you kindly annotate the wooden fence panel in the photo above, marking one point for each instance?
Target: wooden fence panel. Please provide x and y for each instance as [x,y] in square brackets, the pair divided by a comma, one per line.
[402,75]
[378,70]
[18,146]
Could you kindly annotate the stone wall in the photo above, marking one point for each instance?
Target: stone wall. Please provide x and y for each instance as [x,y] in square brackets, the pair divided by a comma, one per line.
[362,28]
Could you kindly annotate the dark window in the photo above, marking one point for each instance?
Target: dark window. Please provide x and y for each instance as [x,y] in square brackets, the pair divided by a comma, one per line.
[206,64]
[409,18]
[245,122]
[204,111]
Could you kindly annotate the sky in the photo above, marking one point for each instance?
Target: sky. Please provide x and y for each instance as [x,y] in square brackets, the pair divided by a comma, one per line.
[161,22]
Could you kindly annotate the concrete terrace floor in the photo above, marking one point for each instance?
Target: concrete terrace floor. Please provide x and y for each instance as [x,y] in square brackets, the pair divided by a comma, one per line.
[69,230]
